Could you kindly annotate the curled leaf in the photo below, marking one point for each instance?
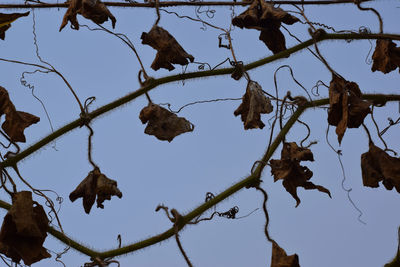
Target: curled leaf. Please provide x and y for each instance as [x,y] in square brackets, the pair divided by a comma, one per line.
[386,56]
[281,259]
[289,170]
[16,121]
[253,104]
[377,165]
[24,230]
[95,184]
[162,123]
[6,20]
[266,18]
[94,10]
[346,108]
[168,49]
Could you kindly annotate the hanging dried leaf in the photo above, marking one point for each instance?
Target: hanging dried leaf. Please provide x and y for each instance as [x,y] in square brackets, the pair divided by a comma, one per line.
[346,108]
[168,49]
[289,170]
[16,121]
[386,56]
[265,17]
[6,20]
[377,165]
[94,10]
[162,123]
[281,259]
[24,230]
[254,103]
[94,184]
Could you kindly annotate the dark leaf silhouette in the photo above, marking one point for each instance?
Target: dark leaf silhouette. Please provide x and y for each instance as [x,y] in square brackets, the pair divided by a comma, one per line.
[95,184]
[386,56]
[346,108]
[24,230]
[253,104]
[281,259]
[168,49]
[6,20]
[266,18]
[94,10]
[377,165]
[289,170]
[162,123]
[16,121]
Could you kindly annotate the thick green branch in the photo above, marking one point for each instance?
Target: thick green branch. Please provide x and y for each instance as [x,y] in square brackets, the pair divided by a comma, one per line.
[186,76]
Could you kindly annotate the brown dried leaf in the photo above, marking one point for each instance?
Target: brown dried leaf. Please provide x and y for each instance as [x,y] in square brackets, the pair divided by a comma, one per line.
[168,49]
[289,170]
[346,108]
[24,230]
[386,56]
[94,10]
[377,165]
[265,17]
[94,184]
[6,20]
[254,103]
[281,259]
[16,121]
[162,123]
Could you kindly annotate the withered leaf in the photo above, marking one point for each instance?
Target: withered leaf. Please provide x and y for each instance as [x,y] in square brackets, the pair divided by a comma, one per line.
[24,230]
[162,123]
[289,170]
[386,56]
[346,108]
[266,18]
[16,121]
[94,10]
[377,165]
[6,20]
[281,259]
[169,51]
[95,184]
[253,104]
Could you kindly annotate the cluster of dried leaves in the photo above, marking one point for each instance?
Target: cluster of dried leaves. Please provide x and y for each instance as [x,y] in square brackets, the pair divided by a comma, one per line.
[289,170]
[168,49]
[162,123]
[16,121]
[267,19]
[386,56]
[6,20]
[95,184]
[24,230]
[346,107]
[94,10]
[377,165]
[254,102]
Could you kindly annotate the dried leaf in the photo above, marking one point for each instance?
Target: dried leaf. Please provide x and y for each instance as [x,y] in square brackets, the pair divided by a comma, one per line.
[346,108]
[6,20]
[377,165]
[254,103]
[24,230]
[168,49]
[95,184]
[281,259]
[94,10]
[386,56]
[162,123]
[16,121]
[289,170]
[265,17]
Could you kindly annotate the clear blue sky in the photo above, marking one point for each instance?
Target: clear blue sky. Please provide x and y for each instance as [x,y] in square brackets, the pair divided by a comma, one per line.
[322,231]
